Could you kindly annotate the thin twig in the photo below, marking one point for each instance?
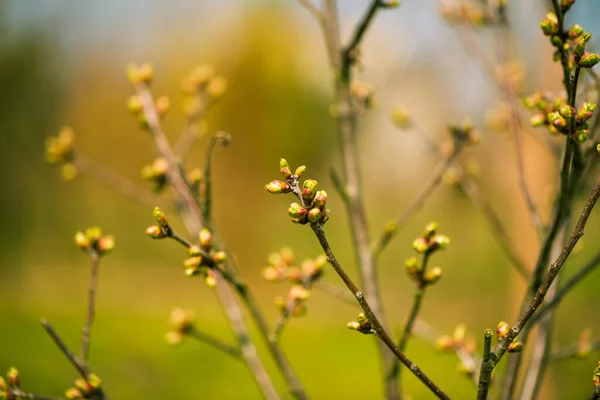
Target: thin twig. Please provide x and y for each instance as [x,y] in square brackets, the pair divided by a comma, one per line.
[377,326]
[79,364]
[312,9]
[91,312]
[19,394]
[216,343]
[574,350]
[190,133]
[115,181]
[501,348]
[567,287]
[222,138]
[336,291]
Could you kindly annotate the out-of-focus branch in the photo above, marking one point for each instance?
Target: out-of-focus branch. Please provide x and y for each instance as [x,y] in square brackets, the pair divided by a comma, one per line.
[216,343]
[91,312]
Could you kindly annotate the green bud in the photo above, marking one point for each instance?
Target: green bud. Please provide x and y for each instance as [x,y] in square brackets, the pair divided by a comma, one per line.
[192,271]
[205,238]
[134,104]
[192,262]
[194,251]
[515,347]
[299,171]
[420,245]
[537,120]
[82,241]
[575,31]
[320,198]
[155,232]
[566,112]
[308,189]
[362,318]
[160,217]
[556,41]
[581,135]
[93,234]
[278,187]
[13,377]
[284,168]
[549,25]
[325,215]
[3,385]
[439,242]
[580,45]
[588,60]
[430,230]
[297,211]
[314,214]
[556,120]
[502,329]
[106,244]
[433,275]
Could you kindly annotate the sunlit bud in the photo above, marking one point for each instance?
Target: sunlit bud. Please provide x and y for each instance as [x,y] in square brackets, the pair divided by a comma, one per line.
[145,73]
[160,217]
[445,343]
[433,275]
[598,148]
[155,232]
[134,104]
[300,170]
[133,74]
[575,31]
[192,271]
[362,318]
[284,168]
[297,211]
[219,257]
[174,338]
[278,187]
[69,171]
[205,238]
[298,293]
[353,325]
[12,377]
[320,199]
[580,45]
[420,245]
[581,135]
[439,242]
[515,347]
[588,60]
[161,105]
[210,279]
[73,393]
[194,251]
[308,189]
[83,386]
[401,117]
[556,120]
[82,241]
[192,262]
[502,329]
[94,381]
[430,230]
[93,234]
[105,244]
[567,111]
[314,214]
[549,25]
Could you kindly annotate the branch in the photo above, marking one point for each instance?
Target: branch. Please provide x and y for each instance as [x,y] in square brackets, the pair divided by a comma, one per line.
[348,54]
[538,298]
[312,9]
[19,394]
[378,328]
[91,313]
[222,138]
[216,343]
[79,364]
[574,350]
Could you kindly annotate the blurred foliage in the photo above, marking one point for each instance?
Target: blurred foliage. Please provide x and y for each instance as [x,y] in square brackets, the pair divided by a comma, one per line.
[274,107]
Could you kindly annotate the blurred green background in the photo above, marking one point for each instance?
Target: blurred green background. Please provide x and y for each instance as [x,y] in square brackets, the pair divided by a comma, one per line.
[63,63]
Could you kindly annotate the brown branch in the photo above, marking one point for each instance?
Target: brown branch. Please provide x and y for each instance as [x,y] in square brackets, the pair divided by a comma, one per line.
[216,343]
[377,326]
[312,9]
[91,312]
[79,364]
[501,348]
[574,350]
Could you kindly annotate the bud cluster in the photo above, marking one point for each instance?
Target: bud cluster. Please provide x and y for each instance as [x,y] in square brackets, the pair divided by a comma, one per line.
[427,244]
[202,88]
[181,324]
[203,259]
[85,388]
[458,341]
[60,150]
[474,13]
[312,207]
[570,45]
[362,325]
[156,174]
[12,381]
[140,74]
[282,267]
[558,117]
[92,239]
[465,133]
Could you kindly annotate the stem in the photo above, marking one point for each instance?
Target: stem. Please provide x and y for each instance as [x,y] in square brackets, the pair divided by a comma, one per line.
[540,294]
[377,326]
[487,366]
[79,364]
[91,313]
[216,343]
[19,394]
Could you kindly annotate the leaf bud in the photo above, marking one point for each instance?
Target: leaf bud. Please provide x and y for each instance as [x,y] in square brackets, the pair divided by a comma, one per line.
[581,135]
[433,275]
[160,217]
[284,168]
[439,242]
[588,60]
[515,347]
[297,211]
[192,271]
[205,238]
[320,199]
[210,279]
[278,187]
[314,215]
[502,329]
[549,25]
[299,171]
[161,105]
[308,189]
[580,45]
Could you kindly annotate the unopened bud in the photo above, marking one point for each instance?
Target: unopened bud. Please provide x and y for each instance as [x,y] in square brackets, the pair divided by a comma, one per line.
[194,251]
[420,245]
[192,262]
[430,230]
[82,241]
[362,318]
[502,329]
[284,168]
[134,104]
[210,279]
[353,325]
[314,215]
[549,24]
[580,45]
[320,199]
[205,238]
[162,106]
[155,232]
[298,293]
[300,170]
[146,73]
[160,217]
[106,244]
[308,189]
[73,393]
[433,275]
[439,242]
[13,377]
[278,187]
[219,257]
[515,347]
[588,60]
[297,211]
[575,31]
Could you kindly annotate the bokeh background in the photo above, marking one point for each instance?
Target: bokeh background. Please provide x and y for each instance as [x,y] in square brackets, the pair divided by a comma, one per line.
[63,62]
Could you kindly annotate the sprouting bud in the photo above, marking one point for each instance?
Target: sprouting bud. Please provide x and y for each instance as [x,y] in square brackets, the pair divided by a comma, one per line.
[194,251]
[502,329]
[205,238]
[557,120]
[160,217]
[298,293]
[13,377]
[567,112]
[278,187]
[575,31]
[320,199]
[353,325]
[433,275]
[581,135]
[192,271]
[161,105]
[219,257]
[155,232]
[210,279]
[308,189]
[412,267]
[73,393]
[420,245]
[362,318]
[105,244]
[445,343]
[284,168]
[515,347]
[299,171]
[134,104]
[580,45]
[82,241]
[430,230]
[314,215]
[192,262]
[549,25]
[297,211]
[588,60]
[439,242]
